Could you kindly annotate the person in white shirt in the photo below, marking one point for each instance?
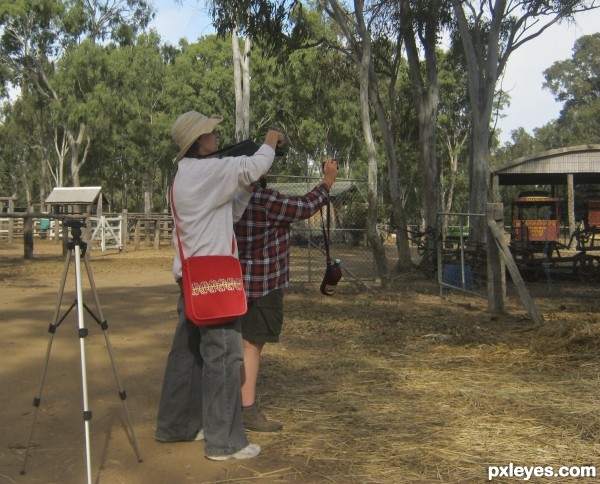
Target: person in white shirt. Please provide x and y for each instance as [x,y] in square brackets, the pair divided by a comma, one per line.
[203,366]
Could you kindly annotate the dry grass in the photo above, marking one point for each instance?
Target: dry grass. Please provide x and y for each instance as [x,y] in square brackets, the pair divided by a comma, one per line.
[405,386]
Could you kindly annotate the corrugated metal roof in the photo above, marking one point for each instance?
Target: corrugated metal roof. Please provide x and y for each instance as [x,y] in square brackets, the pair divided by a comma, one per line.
[552,167]
[74,195]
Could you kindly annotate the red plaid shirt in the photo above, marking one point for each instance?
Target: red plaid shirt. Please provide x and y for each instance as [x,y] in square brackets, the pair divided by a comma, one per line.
[263,236]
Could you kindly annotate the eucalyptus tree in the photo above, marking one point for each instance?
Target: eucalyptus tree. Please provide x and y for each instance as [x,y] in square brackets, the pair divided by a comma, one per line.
[241,80]
[233,18]
[36,36]
[137,147]
[575,82]
[311,95]
[489,33]
[286,27]
[82,100]
[454,124]
[420,27]
[200,77]
[26,42]
[31,158]
[521,144]
[15,156]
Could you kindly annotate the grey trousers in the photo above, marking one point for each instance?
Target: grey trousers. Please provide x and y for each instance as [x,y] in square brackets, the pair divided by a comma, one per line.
[201,386]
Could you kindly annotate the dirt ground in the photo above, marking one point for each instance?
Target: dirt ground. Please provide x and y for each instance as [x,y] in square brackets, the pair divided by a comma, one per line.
[386,386]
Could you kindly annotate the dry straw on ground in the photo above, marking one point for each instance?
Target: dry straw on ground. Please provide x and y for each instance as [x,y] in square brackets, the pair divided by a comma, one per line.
[399,386]
[406,386]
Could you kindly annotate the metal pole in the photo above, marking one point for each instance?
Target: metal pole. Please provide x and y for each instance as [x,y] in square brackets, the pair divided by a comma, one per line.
[87,415]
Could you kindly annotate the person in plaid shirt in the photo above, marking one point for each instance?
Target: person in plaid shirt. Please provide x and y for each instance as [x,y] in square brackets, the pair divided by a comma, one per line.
[263,238]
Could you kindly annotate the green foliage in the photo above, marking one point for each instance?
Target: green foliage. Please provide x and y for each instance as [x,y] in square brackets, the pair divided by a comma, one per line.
[279,26]
[127,93]
[313,99]
[201,79]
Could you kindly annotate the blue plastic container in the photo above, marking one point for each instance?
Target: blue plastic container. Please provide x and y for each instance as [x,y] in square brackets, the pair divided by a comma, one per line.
[452,275]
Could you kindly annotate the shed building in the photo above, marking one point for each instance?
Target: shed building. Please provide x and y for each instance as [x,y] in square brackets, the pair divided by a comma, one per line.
[71,199]
[570,167]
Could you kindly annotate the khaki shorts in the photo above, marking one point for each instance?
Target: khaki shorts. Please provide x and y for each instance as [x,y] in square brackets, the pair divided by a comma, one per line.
[263,321]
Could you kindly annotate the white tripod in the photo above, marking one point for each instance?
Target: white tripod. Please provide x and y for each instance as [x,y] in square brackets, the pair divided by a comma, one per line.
[77,249]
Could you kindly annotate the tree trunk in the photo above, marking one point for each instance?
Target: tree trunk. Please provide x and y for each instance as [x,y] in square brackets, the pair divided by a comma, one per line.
[61,153]
[147,181]
[402,245]
[75,146]
[246,88]
[371,228]
[425,87]
[479,176]
[42,179]
[27,188]
[241,80]
[430,162]
[482,72]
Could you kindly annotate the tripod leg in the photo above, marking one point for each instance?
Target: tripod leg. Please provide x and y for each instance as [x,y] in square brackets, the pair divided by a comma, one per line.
[87,414]
[52,330]
[104,326]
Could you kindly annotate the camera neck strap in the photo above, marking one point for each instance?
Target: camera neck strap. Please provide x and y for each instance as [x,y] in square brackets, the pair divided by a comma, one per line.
[326,233]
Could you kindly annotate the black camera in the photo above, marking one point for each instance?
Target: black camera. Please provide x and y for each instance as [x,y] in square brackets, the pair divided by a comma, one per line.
[332,276]
[75,224]
[248,148]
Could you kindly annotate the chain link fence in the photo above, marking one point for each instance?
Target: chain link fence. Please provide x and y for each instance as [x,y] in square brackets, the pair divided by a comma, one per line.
[347,240]
[461,264]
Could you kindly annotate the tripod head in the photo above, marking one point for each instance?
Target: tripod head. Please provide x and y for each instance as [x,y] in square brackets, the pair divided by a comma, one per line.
[75,226]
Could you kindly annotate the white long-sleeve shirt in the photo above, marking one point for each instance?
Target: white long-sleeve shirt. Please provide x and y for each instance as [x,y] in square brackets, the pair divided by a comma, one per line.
[209,196]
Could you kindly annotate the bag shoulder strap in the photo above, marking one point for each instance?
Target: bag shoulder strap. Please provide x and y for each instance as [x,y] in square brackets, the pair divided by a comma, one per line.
[175,222]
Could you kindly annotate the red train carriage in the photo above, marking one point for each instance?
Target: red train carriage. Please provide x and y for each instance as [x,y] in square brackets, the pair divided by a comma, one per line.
[535,238]
[535,224]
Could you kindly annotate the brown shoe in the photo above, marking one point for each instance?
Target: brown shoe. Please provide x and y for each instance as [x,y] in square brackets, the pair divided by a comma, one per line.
[255,420]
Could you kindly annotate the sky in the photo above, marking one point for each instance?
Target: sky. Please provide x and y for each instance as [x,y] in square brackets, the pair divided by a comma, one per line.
[531,107]
[176,19]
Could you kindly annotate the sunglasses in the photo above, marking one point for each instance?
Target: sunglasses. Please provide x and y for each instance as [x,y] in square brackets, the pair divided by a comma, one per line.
[213,132]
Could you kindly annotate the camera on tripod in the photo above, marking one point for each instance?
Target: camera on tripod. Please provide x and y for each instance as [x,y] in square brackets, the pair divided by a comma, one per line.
[75,224]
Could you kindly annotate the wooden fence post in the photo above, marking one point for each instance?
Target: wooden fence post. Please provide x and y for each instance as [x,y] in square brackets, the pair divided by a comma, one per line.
[497,236]
[124,230]
[28,237]
[11,222]
[157,234]
[496,280]
[137,234]
[165,224]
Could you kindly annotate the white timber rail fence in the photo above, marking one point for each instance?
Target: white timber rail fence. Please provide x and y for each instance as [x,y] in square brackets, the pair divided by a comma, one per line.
[105,232]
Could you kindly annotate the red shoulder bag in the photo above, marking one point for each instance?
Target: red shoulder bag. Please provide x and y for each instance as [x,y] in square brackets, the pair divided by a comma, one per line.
[212,285]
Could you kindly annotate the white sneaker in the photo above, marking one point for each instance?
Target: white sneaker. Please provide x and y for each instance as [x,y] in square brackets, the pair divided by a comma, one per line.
[251,450]
[200,435]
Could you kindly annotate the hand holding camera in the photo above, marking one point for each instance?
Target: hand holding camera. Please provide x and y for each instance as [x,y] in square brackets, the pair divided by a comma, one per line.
[330,171]
[274,139]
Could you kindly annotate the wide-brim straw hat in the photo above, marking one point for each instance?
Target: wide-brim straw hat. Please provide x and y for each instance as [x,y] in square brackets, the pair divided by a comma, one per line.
[189,127]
